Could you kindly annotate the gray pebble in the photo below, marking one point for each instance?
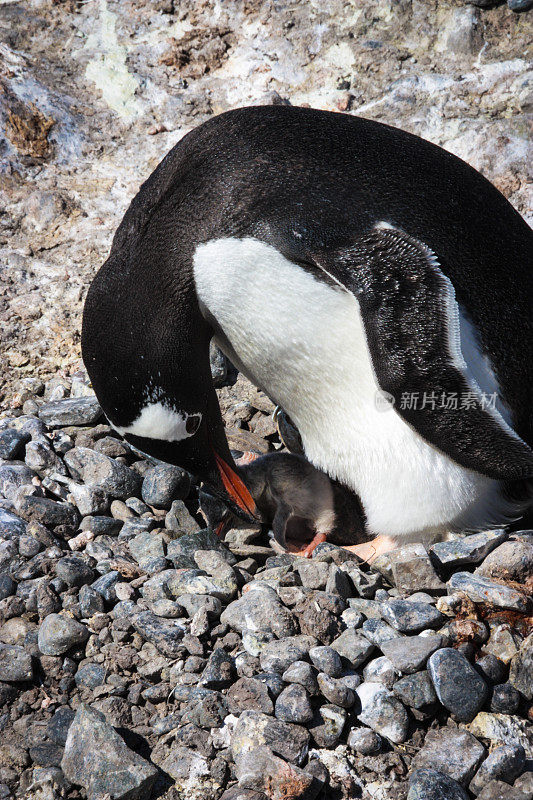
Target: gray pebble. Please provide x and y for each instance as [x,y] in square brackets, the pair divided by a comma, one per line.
[98,759]
[381,670]
[505,763]
[219,670]
[12,443]
[49,513]
[273,681]
[105,585]
[327,725]
[491,668]
[11,526]
[485,590]
[74,571]
[451,751]
[459,687]
[410,653]
[249,694]
[58,633]
[115,478]
[8,586]
[15,664]
[293,705]
[470,549]
[164,634]
[254,729]
[415,691]
[164,483]
[520,5]
[89,676]
[304,674]
[505,699]
[352,646]
[71,411]
[364,741]
[12,477]
[261,610]
[428,784]
[382,711]
[410,617]
[335,691]
[178,520]
[511,561]
[377,631]
[327,660]
[279,654]
[91,601]
[521,669]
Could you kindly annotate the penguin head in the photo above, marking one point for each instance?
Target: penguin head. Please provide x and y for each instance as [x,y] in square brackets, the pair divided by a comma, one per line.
[187,431]
[171,415]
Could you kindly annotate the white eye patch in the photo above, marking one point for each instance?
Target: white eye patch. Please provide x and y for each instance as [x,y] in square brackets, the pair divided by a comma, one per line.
[157,421]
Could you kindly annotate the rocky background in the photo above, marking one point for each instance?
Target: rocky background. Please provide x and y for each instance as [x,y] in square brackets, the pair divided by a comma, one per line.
[139,657]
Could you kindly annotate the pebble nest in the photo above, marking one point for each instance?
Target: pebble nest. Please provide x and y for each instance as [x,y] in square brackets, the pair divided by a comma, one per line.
[141,657]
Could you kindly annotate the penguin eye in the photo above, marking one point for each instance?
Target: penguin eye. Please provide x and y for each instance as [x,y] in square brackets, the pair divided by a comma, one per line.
[192,424]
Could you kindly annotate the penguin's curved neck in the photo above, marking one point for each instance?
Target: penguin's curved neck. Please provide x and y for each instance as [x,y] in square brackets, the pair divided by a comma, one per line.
[144,346]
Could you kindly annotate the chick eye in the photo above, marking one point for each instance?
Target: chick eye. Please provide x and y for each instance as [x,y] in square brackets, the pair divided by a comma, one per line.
[192,424]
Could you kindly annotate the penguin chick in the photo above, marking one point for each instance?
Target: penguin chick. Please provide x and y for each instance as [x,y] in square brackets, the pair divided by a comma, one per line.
[303,505]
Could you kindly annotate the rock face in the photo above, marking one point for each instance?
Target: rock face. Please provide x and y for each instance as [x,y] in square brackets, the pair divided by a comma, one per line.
[97,758]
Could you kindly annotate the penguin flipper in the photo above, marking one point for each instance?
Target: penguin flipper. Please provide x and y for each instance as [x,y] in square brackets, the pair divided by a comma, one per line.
[411,321]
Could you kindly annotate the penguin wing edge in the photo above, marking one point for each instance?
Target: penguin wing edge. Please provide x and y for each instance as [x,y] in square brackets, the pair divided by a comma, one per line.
[411,321]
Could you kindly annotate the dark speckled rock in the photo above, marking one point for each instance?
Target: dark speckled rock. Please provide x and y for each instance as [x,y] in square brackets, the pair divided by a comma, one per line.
[428,784]
[459,687]
[97,758]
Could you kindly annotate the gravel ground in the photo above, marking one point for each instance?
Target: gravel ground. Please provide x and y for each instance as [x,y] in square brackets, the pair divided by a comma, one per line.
[141,657]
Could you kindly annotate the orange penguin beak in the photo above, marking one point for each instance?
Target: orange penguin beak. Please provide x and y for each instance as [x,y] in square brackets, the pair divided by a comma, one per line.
[236,488]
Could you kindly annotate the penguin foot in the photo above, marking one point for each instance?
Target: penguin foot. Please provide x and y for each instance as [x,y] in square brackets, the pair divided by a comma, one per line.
[369,551]
[299,548]
[247,458]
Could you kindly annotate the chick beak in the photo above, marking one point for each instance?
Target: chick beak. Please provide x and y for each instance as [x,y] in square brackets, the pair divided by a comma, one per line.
[236,488]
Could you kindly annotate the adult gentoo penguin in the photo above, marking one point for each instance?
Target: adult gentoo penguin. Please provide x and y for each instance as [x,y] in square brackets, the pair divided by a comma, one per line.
[337,261]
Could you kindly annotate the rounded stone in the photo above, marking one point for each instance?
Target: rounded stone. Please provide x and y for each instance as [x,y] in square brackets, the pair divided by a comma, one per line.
[364,741]
[293,705]
[326,660]
[74,571]
[8,587]
[459,687]
[505,699]
[89,676]
[15,664]
[163,484]
[335,691]
[59,633]
[302,673]
[382,711]
[429,784]
[491,669]
[505,763]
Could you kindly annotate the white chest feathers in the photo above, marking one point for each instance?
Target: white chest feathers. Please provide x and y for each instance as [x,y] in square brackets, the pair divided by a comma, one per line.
[303,342]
